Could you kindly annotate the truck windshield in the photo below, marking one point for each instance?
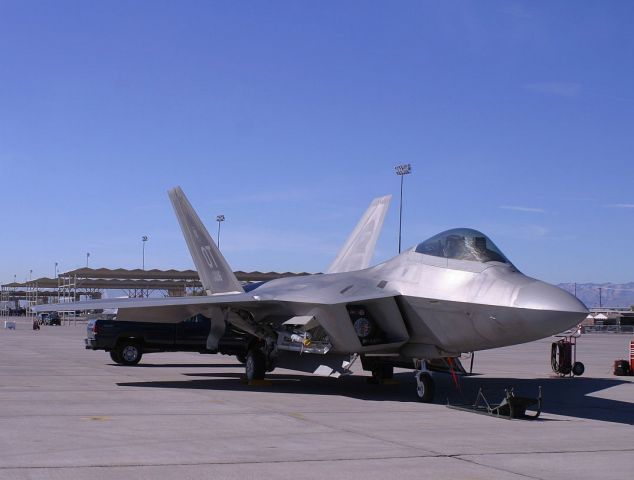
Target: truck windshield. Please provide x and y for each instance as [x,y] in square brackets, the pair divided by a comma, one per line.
[462,244]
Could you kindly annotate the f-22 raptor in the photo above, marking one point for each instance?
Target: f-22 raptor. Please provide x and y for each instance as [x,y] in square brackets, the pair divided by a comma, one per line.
[455,292]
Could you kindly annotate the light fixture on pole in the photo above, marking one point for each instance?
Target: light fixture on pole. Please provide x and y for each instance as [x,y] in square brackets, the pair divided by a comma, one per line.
[30,275]
[219,219]
[87,257]
[401,171]
[56,264]
[143,240]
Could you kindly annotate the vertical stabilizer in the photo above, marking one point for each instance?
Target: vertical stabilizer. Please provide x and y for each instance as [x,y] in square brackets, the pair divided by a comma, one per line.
[213,270]
[358,250]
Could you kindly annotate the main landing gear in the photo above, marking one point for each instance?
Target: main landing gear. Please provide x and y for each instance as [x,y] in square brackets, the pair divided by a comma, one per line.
[425,385]
[258,361]
[255,365]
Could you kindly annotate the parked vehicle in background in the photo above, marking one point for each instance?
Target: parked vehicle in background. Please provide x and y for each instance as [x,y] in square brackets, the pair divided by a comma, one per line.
[128,341]
[49,318]
[52,319]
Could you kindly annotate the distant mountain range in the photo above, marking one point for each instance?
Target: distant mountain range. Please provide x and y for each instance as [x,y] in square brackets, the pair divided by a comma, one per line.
[612,294]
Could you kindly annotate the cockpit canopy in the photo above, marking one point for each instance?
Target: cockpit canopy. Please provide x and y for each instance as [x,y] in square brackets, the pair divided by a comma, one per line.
[462,244]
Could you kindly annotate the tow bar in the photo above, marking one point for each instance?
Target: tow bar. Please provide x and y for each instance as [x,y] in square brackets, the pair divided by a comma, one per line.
[511,406]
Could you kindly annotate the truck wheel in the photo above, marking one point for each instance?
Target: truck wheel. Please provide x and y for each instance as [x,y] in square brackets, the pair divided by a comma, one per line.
[255,365]
[114,355]
[425,387]
[129,352]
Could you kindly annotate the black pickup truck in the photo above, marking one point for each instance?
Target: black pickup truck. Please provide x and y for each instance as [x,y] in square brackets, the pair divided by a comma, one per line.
[128,341]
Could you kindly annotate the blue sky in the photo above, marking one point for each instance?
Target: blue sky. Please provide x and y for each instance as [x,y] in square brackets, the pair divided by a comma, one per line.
[288,117]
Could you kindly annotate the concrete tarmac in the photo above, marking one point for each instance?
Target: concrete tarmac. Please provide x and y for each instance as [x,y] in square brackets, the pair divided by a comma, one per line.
[70,413]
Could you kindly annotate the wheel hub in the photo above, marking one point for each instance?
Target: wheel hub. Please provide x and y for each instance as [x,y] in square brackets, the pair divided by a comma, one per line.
[129,353]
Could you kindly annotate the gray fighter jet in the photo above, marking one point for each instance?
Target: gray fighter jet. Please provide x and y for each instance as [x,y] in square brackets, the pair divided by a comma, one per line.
[455,292]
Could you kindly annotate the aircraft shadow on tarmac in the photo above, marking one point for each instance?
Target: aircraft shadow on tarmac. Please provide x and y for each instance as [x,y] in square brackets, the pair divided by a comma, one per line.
[561,396]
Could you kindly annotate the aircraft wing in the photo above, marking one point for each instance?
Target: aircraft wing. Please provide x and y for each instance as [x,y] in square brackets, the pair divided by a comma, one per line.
[248,301]
[165,310]
[124,303]
[358,250]
[249,312]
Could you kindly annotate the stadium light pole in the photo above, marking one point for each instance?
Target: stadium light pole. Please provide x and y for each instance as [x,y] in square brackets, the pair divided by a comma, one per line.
[55,274]
[401,171]
[87,257]
[219,219]
[144,239]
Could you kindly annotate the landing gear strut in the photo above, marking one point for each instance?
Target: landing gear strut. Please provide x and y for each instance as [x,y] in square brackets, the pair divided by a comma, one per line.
[425,385]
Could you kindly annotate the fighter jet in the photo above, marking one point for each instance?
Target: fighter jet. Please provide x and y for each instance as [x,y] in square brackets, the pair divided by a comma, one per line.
[455,292]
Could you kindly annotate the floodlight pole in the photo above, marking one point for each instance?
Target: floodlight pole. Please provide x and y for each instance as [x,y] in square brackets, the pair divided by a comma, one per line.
[219,219]
[55,276]
[87,257]
[401,171]
[144,239]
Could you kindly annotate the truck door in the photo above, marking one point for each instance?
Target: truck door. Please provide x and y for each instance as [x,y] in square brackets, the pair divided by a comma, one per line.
[158,335]
[192,333]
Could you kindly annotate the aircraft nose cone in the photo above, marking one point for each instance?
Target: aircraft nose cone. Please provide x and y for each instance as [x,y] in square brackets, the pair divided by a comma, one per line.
[552,306]
[542,296]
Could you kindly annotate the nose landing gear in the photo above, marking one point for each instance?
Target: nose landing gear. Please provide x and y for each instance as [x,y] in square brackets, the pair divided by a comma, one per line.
[425,385]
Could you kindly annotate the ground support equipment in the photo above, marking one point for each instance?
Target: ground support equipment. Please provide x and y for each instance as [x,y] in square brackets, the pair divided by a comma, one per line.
[511,406]
[563,356]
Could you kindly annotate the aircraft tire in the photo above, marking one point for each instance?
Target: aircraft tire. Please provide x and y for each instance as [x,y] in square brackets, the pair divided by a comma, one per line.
[578,368]
[382,372]
[129,352]
[255,365]
[425,387]
[241,357]
[114,355]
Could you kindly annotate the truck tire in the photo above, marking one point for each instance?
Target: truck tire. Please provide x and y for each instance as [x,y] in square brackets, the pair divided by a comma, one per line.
[114,355]
[129,352]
